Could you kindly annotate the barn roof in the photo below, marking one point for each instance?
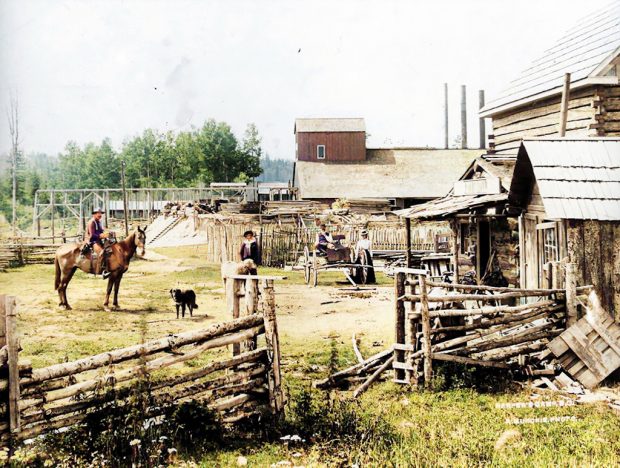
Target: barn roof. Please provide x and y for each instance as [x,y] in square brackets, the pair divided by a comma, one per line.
[329,125]
[386,173]
[577,178]
[586,51]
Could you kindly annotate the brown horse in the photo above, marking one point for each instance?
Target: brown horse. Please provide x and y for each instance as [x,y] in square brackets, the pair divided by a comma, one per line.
[68,260]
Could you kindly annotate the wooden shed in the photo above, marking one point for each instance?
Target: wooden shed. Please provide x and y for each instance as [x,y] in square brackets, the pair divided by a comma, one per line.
[569,194]
[330,140]
[530,106]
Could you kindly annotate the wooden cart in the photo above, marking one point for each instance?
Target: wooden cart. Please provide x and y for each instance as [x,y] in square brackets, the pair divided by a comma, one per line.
[336,259]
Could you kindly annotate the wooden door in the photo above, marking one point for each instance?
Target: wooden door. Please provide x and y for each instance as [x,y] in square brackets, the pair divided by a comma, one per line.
[529,254]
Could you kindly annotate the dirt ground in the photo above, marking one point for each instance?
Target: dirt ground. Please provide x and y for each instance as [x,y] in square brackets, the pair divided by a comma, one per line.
[305,314]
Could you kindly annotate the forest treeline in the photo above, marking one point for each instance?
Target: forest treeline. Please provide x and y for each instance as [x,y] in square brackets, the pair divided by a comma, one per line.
[194,158]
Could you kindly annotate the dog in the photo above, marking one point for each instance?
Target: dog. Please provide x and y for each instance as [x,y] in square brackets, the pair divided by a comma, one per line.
[184,298]
[246,267]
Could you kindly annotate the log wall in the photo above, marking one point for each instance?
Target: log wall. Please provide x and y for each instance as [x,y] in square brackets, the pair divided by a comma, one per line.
[594,246]
[542,118]
[37,401]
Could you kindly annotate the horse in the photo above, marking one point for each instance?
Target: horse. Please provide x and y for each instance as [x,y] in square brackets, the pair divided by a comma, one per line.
[68,259]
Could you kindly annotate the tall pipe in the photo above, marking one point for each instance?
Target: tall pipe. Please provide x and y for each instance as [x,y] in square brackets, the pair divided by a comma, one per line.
[481,125]
[463,117]
[445,115]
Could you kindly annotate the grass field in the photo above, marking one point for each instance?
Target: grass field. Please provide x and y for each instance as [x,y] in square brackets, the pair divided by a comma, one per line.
[389,426]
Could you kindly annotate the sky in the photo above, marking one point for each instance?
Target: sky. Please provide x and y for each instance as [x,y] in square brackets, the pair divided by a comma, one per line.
[86,70]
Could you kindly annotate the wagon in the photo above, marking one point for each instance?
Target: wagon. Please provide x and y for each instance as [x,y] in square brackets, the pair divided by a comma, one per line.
[337,258]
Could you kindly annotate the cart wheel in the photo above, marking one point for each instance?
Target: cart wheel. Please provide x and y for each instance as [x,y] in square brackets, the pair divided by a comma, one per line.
[363,267]
[315,271]
[306,265]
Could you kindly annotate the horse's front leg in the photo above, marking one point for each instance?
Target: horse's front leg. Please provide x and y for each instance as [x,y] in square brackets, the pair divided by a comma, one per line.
[117,284]
[108,292]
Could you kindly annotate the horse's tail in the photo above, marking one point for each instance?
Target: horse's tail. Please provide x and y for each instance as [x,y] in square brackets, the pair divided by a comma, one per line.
[57,279]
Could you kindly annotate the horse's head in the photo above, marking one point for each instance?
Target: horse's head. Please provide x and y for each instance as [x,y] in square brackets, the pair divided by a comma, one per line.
[140,241]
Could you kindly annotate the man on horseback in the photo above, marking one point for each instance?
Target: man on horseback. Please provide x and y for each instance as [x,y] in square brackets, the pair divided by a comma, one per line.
[95,233]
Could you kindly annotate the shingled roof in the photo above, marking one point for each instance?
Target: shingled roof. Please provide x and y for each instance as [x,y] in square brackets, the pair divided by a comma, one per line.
[329,125]
[577,179]
[587,51]
[387,173]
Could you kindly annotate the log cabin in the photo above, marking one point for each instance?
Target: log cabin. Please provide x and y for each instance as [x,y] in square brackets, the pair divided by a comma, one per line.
[537,200]
[530,105]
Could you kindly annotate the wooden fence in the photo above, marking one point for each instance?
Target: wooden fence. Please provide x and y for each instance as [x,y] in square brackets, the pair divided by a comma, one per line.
[39,401]
[282,244]
[494,331]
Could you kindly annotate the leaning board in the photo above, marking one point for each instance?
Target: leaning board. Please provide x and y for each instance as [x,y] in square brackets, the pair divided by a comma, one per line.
[589,350]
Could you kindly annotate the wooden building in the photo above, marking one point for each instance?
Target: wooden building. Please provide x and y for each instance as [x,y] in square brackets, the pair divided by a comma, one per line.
[404,176]
[330,140]
[530,106]
[569,194]
[559,202]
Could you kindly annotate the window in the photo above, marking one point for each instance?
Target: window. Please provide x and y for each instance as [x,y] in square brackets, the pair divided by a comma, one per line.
[550,245]
[320,151]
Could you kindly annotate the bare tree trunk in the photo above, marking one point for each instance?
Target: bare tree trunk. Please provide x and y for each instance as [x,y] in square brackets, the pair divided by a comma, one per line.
[13,117]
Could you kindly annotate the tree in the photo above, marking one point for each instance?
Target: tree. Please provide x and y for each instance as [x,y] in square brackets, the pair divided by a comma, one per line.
[13,118]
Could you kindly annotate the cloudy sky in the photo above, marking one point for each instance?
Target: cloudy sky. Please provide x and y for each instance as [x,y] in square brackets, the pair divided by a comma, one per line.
[85,70]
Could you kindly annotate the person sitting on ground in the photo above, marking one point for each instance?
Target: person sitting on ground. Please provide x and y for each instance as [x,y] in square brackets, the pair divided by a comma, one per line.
[97,243]
[249,250]
[324,240]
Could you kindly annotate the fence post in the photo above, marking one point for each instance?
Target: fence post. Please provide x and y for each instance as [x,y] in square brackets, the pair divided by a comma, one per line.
[399,291]
[426,331]
[12,342]
[232,305]
[276,397]
[251,306]
[571,294]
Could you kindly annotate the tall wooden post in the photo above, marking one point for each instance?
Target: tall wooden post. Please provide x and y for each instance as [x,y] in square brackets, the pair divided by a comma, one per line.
[125,205]
[232,305]
[53,208]
[35,211]
[463,117]
[456,233]
[276,395]
[426,331]
[399,291]
[481,126]
[408,237]
[564,104]
[446,143]
[251,307]
[12,343]
[571,294]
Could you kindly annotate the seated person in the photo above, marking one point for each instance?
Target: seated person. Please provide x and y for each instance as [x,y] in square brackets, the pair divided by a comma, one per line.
[324,240]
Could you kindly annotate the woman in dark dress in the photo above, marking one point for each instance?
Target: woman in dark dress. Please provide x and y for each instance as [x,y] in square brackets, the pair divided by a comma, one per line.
[249,249]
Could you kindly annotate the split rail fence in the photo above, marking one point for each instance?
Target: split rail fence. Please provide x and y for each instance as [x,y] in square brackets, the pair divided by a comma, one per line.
[39,401]
[502,327]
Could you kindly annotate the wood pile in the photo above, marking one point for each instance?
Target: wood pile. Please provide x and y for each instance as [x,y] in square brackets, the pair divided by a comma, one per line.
[61,395]
[364,205]
[293,207]
[473,325]
[19,254]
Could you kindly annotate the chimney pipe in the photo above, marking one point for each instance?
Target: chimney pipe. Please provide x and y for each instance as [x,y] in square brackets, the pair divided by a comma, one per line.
[463,117]
[445,116]
[481,120]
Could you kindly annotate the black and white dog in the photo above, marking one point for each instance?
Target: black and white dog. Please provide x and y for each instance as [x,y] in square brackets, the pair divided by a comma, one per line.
[184,298]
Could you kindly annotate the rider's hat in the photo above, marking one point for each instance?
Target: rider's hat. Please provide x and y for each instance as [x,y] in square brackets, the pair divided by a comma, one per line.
[97,210]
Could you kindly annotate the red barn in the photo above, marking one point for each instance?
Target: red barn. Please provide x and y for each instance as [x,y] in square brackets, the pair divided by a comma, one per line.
[330,140]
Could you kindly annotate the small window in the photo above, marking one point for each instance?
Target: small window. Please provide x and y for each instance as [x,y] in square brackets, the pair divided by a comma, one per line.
[320,151]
